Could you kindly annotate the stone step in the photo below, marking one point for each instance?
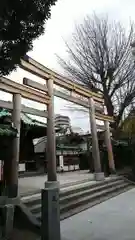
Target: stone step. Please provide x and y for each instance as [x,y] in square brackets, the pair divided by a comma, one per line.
[67,210]
[35,208]
[64,185]
[84,192]
[32,200]
[90,198]
[35,199]
[79,197]
[87,185]
[93,203]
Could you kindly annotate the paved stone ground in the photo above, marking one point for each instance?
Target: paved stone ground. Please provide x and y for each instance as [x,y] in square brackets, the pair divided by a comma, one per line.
[110,220]
[28,184]
[113,219]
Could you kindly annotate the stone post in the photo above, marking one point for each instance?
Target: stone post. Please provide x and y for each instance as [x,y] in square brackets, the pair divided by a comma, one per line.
[51,146]
[16,119]
[7,221]
[50,213]
[109,147]
[99,175]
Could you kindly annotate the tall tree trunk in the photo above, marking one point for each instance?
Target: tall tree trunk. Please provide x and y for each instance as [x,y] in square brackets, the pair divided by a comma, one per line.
[108,102]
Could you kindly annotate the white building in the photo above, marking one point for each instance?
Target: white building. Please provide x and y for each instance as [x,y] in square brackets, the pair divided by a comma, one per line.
[62,121]
[77,130]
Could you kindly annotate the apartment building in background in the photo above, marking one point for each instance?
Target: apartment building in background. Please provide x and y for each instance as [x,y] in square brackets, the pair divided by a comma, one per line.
[62,121]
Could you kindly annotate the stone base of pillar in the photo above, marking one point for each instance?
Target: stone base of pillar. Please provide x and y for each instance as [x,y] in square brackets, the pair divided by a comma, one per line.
[99,176]
[7,219]
[50,220]
[52,184]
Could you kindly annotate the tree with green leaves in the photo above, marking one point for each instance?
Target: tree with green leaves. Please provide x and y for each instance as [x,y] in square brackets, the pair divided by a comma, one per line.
[127,129]
[99,57]
[21,21]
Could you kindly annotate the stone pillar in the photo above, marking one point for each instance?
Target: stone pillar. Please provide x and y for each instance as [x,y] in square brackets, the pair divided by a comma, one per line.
[61,163]
[16,119]
[7,221]
[109,147]
[99,175]
[51,146]
[50,220]
[50,214]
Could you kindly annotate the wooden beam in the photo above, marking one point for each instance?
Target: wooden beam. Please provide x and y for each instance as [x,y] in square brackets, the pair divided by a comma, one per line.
[36,71]
[75,100]
[36,85]
[104,117]
[12,87]
[100,127]
[60,77]
[6,105]
[33,66]
[60,94]
[70,98]
[34,111]
[24,109]
[80,90]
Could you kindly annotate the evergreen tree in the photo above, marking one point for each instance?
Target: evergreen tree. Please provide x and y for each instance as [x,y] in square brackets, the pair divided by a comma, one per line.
[21,21]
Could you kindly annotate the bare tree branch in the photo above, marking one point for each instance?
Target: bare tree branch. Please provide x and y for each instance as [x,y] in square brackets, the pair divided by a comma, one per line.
[99,57]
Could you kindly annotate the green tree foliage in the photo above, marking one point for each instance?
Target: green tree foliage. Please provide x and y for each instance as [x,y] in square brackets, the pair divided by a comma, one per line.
[128,126]
[21,21]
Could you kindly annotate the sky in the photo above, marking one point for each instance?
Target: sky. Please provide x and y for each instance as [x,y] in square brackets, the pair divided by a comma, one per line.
[60,26]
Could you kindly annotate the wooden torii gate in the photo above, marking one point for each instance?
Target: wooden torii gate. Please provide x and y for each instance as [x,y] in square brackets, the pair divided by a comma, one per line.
[44,93]
[78,95]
